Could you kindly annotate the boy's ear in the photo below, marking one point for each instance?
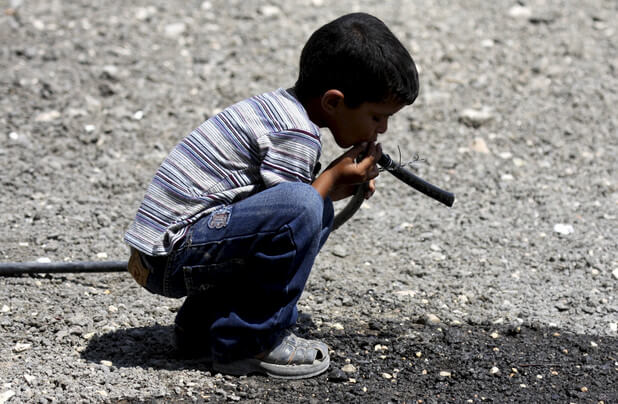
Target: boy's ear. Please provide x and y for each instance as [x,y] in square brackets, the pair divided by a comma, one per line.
[331,100]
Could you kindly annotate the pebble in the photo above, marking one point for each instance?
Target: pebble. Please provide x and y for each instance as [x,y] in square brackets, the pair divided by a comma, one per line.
[269,11]
[494,335]
[479,146]
[139,115]
[175,30]
[349,368]
[337,376]
[387,375]
[144,13]
[431,318]
[339,251]
[6,396]
[337,326]
[615,273]
[494,371]
[47,116]
[564,229]
[476,117]
[13,135]
[445,373]
[102,255]
[520,12]
[21,347]
[43,260]
[5,309]
[613,327]
[106,363]
[29,379]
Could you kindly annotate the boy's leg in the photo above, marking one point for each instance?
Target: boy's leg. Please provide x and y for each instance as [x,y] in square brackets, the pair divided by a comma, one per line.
[245,267]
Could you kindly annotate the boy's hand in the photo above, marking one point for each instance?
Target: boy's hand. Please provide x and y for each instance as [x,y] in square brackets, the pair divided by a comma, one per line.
[341,177]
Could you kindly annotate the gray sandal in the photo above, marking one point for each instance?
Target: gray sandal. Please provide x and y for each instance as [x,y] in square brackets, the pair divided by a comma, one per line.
[292,358]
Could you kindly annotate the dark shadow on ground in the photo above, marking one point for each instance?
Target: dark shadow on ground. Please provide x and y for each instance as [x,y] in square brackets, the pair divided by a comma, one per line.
[406,362]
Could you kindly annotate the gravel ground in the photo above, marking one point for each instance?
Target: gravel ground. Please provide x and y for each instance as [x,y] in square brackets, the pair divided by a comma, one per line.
[509,296]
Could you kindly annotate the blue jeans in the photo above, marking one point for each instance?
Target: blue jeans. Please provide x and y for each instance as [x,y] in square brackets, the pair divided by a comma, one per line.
[244,267]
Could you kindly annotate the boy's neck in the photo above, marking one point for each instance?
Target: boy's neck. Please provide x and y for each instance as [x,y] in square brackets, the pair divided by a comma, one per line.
[313,108]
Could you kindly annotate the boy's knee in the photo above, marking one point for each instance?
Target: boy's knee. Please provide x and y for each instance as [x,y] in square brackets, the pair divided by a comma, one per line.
[305,201]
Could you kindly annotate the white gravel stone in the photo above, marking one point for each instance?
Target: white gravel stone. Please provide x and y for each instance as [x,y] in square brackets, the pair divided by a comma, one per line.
[494,371]
[476,117]
[175,30]
[349,368]
[6,396]
[21,347]
[445,373]
[270,10]
[480,146]
[564,229]
[47,116]
[520,12]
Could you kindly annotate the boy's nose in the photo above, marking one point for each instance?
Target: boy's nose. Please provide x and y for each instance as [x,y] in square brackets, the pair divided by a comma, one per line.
[382,127]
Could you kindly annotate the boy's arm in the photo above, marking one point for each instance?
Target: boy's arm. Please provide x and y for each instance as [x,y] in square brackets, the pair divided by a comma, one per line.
[340,178]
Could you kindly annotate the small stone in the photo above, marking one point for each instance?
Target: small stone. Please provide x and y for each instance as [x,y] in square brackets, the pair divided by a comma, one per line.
[431,319]
[387,375]
[479,146]
[340,251]
[175,30]
[13,135]
[494,335]
[112,309]
[89,128]
[102,255]
[494,371]
[615,273]
[43,260]
[564,229]
[29,379]
[594,344]
[144,13]
[445,373]
[380,348]
[349,368]
[584,389]
[337,376]
[6,396]
[613,327]
[476,117]
[520,12]
[269,11]
[5,309]
[20,347]
[418,354]
[337,326]
[47,116]
[317,3]
[106,363]
[139,115]
[424,372]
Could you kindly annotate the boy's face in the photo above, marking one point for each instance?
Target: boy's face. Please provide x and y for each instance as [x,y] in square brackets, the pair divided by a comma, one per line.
[351,126]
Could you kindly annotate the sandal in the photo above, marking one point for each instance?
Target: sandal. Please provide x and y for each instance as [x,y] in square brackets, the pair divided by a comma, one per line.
[292,358]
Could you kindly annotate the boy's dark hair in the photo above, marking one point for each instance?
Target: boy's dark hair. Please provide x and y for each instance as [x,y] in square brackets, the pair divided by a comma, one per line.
[358,55]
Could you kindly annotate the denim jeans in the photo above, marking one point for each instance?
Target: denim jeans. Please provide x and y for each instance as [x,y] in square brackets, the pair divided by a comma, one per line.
[244,267]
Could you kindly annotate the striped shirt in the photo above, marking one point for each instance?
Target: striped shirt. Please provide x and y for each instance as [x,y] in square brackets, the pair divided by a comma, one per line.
[252,145]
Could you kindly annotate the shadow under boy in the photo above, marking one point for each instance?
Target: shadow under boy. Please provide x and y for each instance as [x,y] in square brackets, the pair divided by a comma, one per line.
[235,215]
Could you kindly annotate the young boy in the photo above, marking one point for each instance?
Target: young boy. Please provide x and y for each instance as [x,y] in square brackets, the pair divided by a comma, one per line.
[235,215]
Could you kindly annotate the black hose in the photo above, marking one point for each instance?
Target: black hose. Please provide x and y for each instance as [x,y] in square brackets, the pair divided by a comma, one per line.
[16,268]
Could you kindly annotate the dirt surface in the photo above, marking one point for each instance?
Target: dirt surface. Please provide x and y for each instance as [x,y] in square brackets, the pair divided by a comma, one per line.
[509,296]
